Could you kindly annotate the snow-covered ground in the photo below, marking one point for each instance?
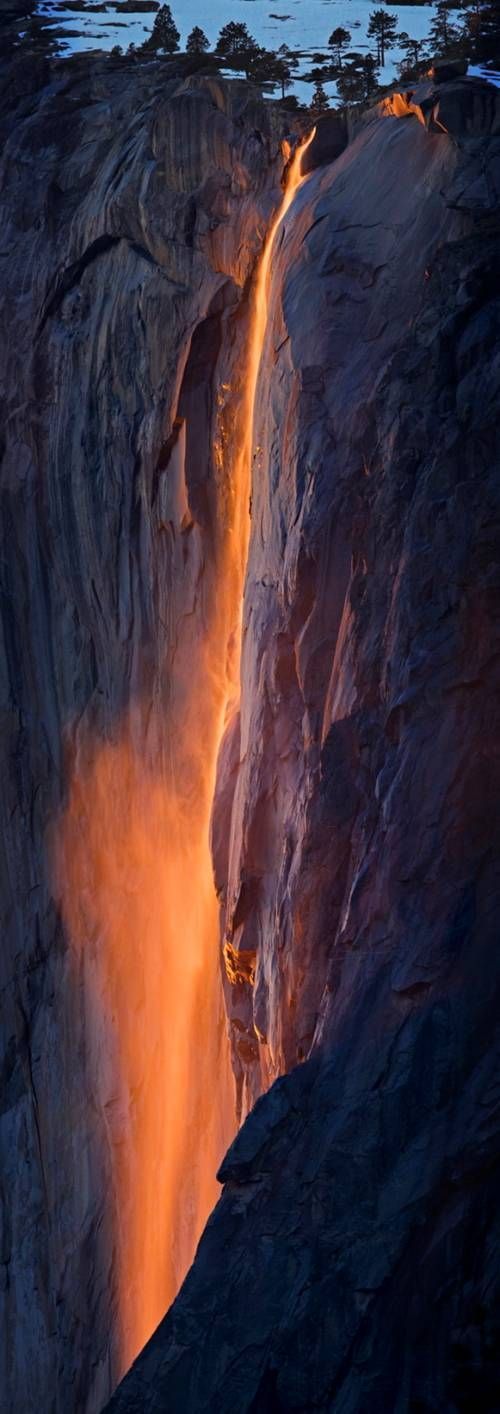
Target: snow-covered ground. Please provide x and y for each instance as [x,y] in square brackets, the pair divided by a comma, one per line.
[302,24]
[478,71]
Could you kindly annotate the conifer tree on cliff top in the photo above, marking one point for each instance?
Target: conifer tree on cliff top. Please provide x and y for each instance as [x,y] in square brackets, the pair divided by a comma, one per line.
[164,35]
[320,103]
[382,27]
[197,42]
[339,39]
[482,31]
[237,46]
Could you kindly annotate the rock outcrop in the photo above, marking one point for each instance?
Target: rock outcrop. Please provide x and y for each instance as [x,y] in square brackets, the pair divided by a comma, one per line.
[133,208]
[351,1263]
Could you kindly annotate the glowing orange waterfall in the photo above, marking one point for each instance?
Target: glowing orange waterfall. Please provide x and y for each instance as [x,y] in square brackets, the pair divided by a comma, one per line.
[134,880]
[257,332]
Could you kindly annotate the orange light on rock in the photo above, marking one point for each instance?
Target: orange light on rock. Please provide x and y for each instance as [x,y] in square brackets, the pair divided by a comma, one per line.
[257,333]
[133,877]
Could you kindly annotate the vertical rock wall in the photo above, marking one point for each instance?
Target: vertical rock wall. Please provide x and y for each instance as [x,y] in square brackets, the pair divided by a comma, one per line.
[352,1262]
[341,437]
[133,209]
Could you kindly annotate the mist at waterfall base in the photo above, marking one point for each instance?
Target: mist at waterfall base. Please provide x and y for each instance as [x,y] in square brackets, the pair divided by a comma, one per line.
[139,906]
[133,876]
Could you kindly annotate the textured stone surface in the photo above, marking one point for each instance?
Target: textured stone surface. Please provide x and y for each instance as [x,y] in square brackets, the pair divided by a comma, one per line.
[351,1263]
[132,209]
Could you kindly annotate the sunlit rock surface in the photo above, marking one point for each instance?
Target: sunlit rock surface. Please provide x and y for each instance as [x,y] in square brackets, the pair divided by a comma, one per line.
[351,1264]
[133,206]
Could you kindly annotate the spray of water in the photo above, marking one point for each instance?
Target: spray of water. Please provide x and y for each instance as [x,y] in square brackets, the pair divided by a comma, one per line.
[133,874]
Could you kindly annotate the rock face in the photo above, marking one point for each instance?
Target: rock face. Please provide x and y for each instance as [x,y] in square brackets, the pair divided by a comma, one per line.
[351,1263]
[133,207]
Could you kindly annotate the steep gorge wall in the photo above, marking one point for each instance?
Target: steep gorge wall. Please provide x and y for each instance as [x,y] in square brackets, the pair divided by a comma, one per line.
[351,1263]
[355,826]
[133,209]
[341,436]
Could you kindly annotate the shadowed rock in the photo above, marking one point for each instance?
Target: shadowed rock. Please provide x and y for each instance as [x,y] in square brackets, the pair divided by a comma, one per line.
[351,1263]
[133,208]
[444,70]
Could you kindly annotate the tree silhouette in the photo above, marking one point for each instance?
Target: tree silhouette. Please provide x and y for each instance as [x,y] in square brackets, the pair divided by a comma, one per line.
[444,36]
[319,102]
[382,27]
[164,35]
[369,71]
[289,57]
[267,67]
[237,47]
[197,42]
[283,74]
[413,51]
[358,81]
[24,28]
[481,32]
[339,39]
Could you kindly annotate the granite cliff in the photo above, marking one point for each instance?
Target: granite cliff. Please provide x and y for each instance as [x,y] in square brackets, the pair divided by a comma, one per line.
[134,206]
[350,1262]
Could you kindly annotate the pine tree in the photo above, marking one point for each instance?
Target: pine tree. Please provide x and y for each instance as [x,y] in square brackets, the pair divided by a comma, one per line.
[288,56]
[413,50]
[358,81]
[350,84]
[319,102]
[414,55]
[339,39]
[445,37]
[370,80]
[267,67]
[197,42]
[164,35]
[481,31]
[382,27]
[237,47]
[284,75]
